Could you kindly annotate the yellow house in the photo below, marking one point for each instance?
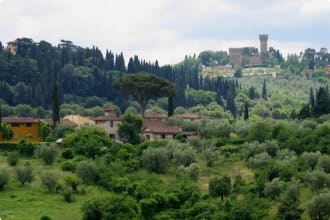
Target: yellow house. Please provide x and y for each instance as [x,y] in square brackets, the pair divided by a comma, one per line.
[28,128]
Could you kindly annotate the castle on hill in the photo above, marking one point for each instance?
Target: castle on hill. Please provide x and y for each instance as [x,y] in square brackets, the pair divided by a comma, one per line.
[249,55]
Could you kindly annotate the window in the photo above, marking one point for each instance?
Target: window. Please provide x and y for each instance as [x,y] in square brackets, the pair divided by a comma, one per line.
[163,136]
[148,136]
[112,136]
[28,124]
[111,124]
[15,124]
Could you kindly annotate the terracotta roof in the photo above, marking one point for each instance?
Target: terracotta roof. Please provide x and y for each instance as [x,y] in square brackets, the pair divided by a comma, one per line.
[159,127]
[15,119]
[155,116]
[190,116]
[106,118]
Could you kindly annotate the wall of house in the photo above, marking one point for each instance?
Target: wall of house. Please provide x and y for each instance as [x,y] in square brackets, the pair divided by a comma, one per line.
[29,131]
[110,128]
[151,136]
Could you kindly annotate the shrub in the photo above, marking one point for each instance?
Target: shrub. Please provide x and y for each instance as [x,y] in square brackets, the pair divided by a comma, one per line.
[155,159]
[67,194]
[24,174]
[73,182]
[184,156]
[47,153]
[8,146]
[49,180]
[211,156]
[324,163]
[260,160]
[319,206]
[220,187]
[4,178]
[67,153]
[274,188]
[45,218]
[87,171]
[25,148]
[192,171]
[13,158]
[69,165]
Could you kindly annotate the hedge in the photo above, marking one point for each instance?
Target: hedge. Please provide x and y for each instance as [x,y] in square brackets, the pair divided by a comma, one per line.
[8,146]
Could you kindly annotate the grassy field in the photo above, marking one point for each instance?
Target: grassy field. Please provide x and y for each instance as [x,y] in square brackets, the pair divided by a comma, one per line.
[33,201]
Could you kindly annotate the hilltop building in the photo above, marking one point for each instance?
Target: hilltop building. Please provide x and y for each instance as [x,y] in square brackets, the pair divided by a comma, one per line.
[249,55]
[12,47]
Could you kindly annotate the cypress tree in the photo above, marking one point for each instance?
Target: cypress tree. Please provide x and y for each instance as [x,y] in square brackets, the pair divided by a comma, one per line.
[246,111]
[264,91]
[170,110]
[311,98]
[55,105]
[0,116]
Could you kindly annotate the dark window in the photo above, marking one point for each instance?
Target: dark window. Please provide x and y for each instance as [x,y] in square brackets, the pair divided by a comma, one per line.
[112,135]
[111,124]
[163,136]
[15,124]
[148,137]
[28,124]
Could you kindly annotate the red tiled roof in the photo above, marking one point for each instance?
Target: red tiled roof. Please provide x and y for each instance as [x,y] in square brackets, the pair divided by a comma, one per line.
[15,119]
[190,116]
[155,116]
[159,127]
[106,118]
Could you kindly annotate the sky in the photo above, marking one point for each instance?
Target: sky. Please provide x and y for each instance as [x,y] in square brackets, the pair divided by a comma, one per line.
[167,30]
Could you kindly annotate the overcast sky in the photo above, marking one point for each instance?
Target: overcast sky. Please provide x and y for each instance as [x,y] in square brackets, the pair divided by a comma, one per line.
[167,30]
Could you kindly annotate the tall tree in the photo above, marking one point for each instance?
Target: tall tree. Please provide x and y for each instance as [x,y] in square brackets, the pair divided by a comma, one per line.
[130,128]
[311,98]
[264,90]
[55,105]
[322,102]
[170,110]
[144,86]
[246,111]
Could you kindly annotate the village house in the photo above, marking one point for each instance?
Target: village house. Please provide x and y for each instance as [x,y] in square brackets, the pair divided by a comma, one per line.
[12,47]
[109,122]
[77,120]
[157,129]
[27,128]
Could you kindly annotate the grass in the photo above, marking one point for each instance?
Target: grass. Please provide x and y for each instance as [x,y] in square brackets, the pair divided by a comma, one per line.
[32,201]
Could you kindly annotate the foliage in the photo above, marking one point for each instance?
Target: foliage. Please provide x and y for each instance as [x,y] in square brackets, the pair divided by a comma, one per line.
[25,148]
[72,182]
[67,153]
[110,207]
[220,187]
[144,86]
[87,171]
[8,146]
[319,206]
[184,156]
[49,180]
[67,194]
[4,178]
[13,158]
[90,142]
[24,174]
[130,127]
[155,159]
[47,153]
[274,188]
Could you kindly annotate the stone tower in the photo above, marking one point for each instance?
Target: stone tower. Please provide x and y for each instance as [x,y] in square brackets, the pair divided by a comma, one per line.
[263,43]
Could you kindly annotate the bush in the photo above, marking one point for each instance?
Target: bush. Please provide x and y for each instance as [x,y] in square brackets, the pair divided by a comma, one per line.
[67,194]
[67,153]
[49,180]
[319,206]
[45,218]
[8,146]
[220,187]
[211,156]
[274,188]
[259,161]
[24,174]
[192,171]
[324,163]
[69,165]
[25,148]
[73,182]
[13,158]
[47,153]
[184,156]
[4,178]
[87,171]
[155,159]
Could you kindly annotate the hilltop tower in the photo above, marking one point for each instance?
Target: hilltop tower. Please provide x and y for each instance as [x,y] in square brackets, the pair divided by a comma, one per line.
[263,43]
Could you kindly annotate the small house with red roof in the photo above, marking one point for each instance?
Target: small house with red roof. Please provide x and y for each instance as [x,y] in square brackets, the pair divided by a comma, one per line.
[157,129]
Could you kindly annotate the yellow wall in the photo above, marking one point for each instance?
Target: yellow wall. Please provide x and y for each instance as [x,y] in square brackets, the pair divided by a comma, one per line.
[22,131]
